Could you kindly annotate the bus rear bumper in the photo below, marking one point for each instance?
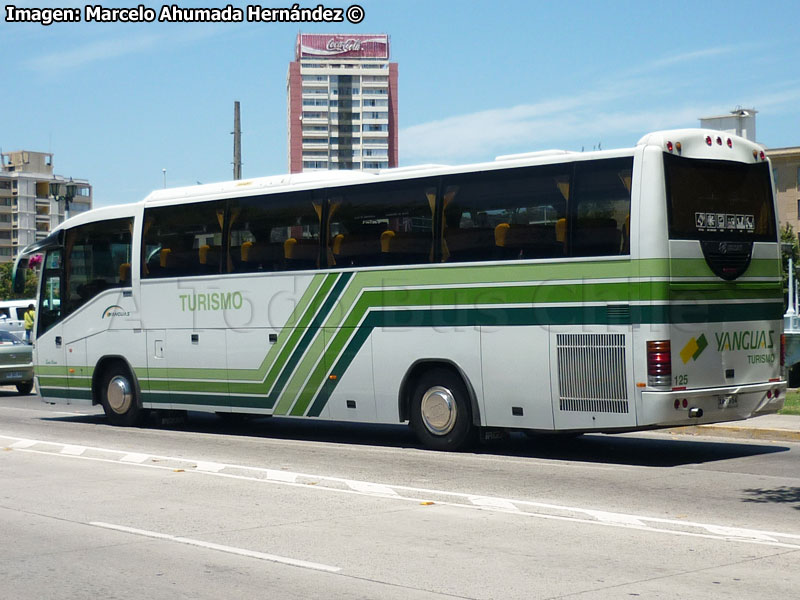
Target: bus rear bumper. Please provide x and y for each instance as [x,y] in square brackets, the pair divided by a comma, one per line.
[711,405]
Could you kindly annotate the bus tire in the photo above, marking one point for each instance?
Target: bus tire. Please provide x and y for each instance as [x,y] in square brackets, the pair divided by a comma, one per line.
[119,397]
[24,388]
[440,411]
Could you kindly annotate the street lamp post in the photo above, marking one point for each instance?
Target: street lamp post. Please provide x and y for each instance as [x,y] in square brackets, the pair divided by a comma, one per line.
[65,193]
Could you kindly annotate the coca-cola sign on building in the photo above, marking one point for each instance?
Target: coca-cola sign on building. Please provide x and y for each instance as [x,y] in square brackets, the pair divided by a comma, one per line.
[343,46]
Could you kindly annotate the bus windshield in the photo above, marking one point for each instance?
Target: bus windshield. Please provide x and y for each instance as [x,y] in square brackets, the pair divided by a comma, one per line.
[718,200]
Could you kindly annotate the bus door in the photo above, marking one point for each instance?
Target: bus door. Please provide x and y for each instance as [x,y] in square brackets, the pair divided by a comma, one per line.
[197,368]
[155,388]
[49,345]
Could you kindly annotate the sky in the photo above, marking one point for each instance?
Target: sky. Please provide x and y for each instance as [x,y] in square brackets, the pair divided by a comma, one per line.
[117,103]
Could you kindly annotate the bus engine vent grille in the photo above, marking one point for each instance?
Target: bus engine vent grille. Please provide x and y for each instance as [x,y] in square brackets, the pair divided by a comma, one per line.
[591,372]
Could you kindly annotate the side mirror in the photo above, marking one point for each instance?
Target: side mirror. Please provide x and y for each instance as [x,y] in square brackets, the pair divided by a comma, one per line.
[18,274]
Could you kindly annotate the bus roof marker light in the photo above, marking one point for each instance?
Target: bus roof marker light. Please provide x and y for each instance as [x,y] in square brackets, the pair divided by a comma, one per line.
[762,155]
[669,146]
[719,141]
[678,147]
[730,143]
[708,140]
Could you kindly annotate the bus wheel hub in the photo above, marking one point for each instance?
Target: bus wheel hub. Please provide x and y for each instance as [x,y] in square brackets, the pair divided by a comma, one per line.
[119,394]
[438,410]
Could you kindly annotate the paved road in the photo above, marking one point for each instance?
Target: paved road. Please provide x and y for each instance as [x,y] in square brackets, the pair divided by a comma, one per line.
[292,509]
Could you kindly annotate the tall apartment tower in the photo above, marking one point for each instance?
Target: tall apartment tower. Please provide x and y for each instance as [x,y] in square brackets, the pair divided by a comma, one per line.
[33,200]
[342,96]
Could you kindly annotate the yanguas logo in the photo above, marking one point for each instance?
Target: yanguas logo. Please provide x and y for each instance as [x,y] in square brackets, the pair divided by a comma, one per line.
[115,310]
[694,348]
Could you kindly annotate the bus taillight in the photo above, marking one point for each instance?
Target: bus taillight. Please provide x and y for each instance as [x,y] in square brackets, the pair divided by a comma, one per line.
[659,363]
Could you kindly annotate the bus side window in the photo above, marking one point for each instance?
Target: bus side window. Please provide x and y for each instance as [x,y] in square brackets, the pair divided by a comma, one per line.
[504,215]
[183,240]
[381,224]
[275,232]
[95,254]
[601,205]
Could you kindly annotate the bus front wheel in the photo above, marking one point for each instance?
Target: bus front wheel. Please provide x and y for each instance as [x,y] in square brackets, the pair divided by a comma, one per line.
[440,411]
[119,398]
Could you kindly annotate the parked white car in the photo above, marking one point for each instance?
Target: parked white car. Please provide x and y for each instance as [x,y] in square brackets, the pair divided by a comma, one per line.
[12,316]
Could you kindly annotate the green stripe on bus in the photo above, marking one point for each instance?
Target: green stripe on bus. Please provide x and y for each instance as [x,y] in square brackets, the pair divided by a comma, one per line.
[69,394]
[200,399]
[156,397]
[539,294]
[51,370]
[698,267]
[277,391]
[530,316]
[320,304]
[299,317]
[71,382]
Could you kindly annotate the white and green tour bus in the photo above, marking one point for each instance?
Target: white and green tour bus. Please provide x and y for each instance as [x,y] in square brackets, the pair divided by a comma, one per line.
[556,291]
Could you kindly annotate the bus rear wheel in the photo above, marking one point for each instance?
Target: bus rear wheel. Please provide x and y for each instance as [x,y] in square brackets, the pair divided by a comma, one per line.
[119,397]
[440,411]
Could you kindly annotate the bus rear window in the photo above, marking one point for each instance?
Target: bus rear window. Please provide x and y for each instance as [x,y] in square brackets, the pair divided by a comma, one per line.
[715,199]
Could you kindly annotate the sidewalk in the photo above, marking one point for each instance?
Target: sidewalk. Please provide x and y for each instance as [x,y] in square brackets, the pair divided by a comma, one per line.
[778,428]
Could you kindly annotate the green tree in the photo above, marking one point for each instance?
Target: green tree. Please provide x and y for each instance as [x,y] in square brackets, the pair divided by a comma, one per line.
[789,249]
[6,287]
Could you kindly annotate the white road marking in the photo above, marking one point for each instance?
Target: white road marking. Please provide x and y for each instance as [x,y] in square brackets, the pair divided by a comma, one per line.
[134,457]
[210,467]
[282,476]
[425,496]
[220,547]
[373,489]
[500,503]
[23,444]
[617,518]
[73,450]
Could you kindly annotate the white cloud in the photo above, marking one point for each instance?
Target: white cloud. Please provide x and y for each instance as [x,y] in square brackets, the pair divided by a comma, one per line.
[632,106]
[106,49]
[92,52]
[687,57]
[577,119]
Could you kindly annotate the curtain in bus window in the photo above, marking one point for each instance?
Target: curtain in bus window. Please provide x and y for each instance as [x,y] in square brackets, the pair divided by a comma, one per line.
[274,232]
[183,240]
[510,214]
[601,207]
[381,224]
[96,255]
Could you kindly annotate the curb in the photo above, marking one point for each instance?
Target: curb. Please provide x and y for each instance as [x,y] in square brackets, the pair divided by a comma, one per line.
[736,431]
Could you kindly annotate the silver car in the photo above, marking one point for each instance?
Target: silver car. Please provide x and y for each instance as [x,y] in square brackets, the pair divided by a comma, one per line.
[16,362]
